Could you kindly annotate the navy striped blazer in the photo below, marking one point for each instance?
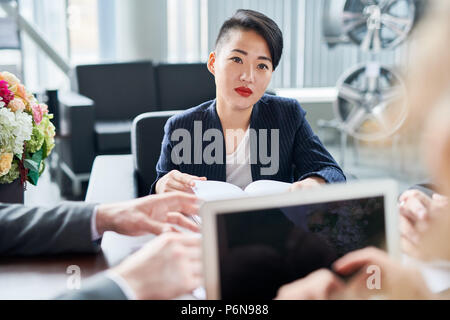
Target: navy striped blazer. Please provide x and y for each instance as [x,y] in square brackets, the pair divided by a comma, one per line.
[300,149]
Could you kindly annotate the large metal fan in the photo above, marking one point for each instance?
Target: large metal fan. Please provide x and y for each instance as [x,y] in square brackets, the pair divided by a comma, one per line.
[369,104]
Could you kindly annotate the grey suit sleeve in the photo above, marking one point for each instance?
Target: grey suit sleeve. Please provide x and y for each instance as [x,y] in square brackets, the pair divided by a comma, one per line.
[36,230]
[96,288]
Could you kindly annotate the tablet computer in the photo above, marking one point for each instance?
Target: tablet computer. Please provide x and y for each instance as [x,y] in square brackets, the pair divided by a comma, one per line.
[253,246]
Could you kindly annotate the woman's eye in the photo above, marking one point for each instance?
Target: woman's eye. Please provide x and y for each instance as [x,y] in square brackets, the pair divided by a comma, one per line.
[236,59]
[263,66]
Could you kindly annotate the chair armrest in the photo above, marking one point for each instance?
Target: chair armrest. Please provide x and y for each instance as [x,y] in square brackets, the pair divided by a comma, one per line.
[112,179]
[77,117]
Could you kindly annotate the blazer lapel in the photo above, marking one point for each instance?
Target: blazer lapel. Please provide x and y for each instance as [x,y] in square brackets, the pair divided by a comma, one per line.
[259,120]
[212,121]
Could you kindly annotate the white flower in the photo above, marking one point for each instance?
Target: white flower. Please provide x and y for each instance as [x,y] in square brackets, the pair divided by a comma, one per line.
[2,104]
[15,129]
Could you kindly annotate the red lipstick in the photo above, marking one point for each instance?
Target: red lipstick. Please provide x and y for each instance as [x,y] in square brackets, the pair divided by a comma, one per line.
[244,91]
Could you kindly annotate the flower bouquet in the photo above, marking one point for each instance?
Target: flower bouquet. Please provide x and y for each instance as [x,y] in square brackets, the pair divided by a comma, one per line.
[26,133]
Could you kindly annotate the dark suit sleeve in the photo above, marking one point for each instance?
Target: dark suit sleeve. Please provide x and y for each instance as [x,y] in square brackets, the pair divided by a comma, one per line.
[96,288]
[165,164]
[310,156]
[35,230]
[426,188]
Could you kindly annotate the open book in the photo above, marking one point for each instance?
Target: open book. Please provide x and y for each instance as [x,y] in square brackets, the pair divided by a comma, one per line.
[218,190]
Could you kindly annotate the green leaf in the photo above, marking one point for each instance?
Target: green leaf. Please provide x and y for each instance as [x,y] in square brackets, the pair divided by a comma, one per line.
[31,165]
[44,150]
[42,168]
[37,157]
[33,177]
[34,165]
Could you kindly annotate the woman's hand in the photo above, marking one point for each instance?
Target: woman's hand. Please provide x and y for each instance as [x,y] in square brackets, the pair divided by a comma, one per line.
[307,183]
[177,181]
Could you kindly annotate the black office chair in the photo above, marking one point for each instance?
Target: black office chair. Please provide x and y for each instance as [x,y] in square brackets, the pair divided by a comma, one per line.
[98,119]
[120,91]
[184,85]
[146,139]
[123,177]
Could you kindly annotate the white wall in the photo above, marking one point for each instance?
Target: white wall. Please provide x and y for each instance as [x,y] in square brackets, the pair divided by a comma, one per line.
[141,30]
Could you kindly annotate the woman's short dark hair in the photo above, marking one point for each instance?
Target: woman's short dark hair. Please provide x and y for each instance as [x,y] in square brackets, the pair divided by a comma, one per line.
[252,20]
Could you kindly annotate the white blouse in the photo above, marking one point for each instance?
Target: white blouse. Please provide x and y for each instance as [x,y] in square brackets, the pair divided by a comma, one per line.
[238,166]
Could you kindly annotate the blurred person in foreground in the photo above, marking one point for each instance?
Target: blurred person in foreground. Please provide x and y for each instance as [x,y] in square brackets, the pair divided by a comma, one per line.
[424,219]
[165,268]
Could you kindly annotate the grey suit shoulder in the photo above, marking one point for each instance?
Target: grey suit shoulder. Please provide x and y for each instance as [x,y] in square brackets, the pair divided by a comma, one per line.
[36,230]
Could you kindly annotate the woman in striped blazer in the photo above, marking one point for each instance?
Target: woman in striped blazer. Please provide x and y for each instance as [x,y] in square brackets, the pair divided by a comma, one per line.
[244,135]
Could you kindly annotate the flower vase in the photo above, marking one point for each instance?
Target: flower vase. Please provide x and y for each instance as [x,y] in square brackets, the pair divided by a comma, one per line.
[12,192]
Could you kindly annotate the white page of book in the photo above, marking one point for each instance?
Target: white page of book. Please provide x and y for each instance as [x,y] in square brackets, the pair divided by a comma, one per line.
[216,190]
[266,187]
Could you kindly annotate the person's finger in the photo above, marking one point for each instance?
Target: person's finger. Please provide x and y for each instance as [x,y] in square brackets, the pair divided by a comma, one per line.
[187,179]
[181,197]
[186,203]
[182,221]
[355,260]
[295,186]
[190,240]
[357,285]
[407,230]
[419,205]
[175,185]
[406,212]
[189,209]
[318,285]
[193,254]
[329,284]
[155,227]
[437,196]
[442,200]
[333,287]
[405,195]
[169,229]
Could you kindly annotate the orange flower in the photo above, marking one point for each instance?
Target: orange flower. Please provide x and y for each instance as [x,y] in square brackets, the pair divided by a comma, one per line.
[5,163]
[16,105]
[21,92]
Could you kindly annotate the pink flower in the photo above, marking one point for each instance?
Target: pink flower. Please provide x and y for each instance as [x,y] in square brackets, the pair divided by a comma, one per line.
[44,108]
[5,93]
[37,113]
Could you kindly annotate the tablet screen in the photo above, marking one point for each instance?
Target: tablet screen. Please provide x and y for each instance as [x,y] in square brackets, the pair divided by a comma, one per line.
[261,250]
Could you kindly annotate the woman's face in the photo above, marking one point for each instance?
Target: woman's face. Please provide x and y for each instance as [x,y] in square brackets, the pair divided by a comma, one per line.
[242,67]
